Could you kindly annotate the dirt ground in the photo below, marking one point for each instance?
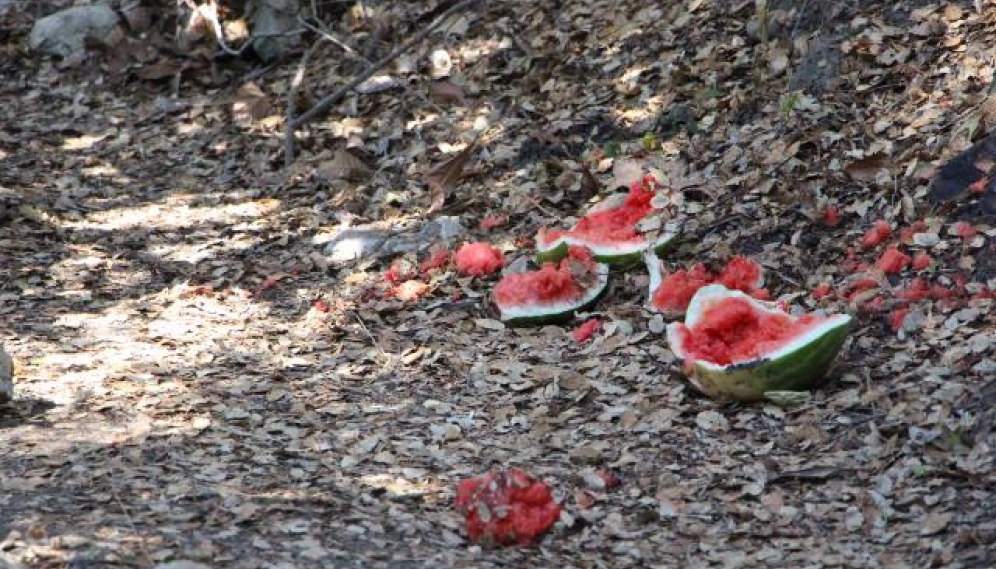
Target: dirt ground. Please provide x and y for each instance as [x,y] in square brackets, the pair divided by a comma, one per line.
[198,378]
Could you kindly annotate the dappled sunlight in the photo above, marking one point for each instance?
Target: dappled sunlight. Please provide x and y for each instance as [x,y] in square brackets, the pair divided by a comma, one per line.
[189,128]
[471,51]
[402,486]
[650,110]
[177,211]
[106,170]
[84,142]
[197,252]
[215,360]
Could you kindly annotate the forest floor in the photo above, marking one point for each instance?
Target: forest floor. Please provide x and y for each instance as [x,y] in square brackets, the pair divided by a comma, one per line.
[199,378]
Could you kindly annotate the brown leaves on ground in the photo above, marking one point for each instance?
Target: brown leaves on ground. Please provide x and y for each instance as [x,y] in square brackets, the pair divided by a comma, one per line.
[197,381]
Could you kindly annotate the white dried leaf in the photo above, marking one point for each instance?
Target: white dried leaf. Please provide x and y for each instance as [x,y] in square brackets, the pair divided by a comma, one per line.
[934,523]
[489,324]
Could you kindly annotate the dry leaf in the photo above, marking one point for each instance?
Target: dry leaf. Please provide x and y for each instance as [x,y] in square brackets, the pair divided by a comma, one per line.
[250,104]
[867,169]
[444,177]
[934,523]
[162,69]
[343,166]
[447,93]
[712,421]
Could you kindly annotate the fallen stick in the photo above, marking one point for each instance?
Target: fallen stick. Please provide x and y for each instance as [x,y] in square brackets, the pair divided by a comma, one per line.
[292,103]
[329,100]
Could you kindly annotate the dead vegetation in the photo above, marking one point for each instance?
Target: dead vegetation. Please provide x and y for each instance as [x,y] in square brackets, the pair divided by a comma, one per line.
[197,378]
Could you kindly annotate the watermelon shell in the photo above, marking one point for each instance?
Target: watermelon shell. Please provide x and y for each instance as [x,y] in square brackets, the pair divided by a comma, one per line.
[796,364]
[552,294]
[617,231]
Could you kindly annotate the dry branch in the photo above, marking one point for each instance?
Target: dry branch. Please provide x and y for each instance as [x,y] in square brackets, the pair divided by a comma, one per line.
[329,100]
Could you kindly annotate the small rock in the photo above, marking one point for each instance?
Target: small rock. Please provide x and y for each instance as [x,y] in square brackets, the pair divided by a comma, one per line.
[441,64]
[445,228]
[64,33]
[354,244]
[272,27]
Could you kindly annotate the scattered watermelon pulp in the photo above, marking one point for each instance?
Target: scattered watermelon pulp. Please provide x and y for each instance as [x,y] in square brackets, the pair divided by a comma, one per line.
[617,231]
[478,259]
[737,347]
[921,261]
[822,291]
[831,216]
[670,293]
[877,234]
[553,293]
[436,262]
[586,331]
[893,261]
[506,507]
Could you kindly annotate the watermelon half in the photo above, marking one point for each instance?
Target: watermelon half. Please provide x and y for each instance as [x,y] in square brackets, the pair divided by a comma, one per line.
[737,347]
[617,231]
[553,293]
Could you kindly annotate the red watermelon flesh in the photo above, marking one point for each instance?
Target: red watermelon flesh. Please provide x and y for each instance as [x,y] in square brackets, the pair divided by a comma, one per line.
[677,289]
[612,225]
[551,283]
[478,259]
[893,261]
[506,507]
[742,274]
[732,330]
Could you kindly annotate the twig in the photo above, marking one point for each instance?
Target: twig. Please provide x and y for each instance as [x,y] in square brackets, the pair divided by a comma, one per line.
[326,102]
[389,361]
[292,103]
[798,19]
[357,55]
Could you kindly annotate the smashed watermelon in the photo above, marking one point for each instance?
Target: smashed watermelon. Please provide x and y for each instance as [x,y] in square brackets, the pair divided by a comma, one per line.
[737,347]
[617,231]
[670,293]
[553,293]
[893,261]
[506,507]
[478,259]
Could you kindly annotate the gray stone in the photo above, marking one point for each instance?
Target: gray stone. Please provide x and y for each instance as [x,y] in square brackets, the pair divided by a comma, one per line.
[273,28]
[368,242]
[64,33]
[354,244]
[446,228]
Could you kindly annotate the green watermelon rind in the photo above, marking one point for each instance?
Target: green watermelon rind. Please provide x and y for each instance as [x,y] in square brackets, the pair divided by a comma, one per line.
[800,365]
[619,256]
[559,312]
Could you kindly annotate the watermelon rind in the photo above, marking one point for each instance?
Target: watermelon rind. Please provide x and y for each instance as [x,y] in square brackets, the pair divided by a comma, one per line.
[800,365]
[621,255]
[556,312]
[655,268]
